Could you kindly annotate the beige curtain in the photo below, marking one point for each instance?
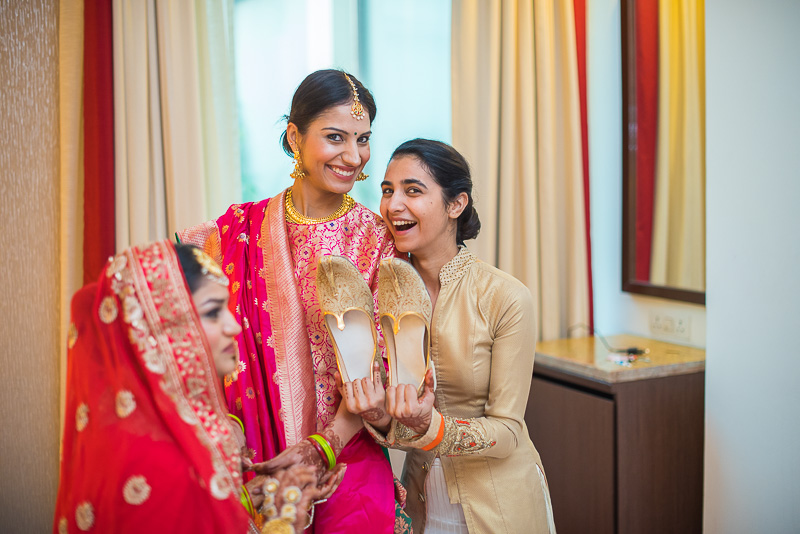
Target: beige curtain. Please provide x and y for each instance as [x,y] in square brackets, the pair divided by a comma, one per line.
[70,106]
[176,148]
[516,118]
[678,256]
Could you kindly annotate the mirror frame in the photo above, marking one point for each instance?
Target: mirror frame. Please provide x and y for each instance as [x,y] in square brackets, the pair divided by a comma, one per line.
[629,282]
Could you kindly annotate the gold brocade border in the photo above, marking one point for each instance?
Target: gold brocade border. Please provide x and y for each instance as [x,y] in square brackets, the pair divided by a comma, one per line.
[292,350]
[157,279]
[206,236]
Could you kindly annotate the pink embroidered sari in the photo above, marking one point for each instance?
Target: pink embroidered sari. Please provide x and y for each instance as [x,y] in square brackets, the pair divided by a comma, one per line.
[285,390]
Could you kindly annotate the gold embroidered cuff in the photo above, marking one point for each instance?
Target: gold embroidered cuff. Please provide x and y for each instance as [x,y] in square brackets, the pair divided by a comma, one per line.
[448,436]
[387,440]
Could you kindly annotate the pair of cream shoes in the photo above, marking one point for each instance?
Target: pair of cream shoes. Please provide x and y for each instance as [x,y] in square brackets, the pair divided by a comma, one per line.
[348,311]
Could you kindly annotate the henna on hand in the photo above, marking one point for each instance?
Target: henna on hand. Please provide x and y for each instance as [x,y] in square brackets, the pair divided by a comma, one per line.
[310,457]
[334,440]
[372,415]
[419,423]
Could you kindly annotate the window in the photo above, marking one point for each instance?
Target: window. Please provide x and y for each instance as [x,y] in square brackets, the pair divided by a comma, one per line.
[399,50]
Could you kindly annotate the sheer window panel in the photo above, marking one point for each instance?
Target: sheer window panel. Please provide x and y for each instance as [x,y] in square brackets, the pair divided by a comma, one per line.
[400,50]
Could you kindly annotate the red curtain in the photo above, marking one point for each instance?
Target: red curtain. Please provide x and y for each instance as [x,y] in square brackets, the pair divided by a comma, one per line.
[98,152]
[580,38]
[646,42]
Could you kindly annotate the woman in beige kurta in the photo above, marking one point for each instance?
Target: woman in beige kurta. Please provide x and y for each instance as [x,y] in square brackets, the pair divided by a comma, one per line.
[471,465]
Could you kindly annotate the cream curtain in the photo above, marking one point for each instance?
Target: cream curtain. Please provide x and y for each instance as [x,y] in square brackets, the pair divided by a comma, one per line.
[516,117]
[678,255]
[70,107]
[176,148]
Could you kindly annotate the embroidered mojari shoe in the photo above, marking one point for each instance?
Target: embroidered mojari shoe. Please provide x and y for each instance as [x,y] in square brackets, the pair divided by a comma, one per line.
[405,315]
[349,313]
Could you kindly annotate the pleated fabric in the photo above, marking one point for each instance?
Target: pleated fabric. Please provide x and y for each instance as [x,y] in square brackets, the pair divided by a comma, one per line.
[443,517]
[516,118]
[70,176]
[678,252]
[176,141]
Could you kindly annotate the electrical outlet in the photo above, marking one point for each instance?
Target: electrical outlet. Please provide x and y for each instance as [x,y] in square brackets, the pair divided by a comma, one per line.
[674,325]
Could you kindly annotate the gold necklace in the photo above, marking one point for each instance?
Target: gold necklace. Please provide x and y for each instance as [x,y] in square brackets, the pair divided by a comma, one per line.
[292,215]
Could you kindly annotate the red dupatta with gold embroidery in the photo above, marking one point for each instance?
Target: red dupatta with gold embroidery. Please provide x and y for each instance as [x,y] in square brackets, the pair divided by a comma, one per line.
[251,244]
[148,446]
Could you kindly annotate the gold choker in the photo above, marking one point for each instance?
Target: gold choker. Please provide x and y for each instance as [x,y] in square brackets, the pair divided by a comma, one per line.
[292,215]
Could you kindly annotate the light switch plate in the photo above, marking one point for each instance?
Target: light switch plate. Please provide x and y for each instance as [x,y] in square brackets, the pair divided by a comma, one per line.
[670,324]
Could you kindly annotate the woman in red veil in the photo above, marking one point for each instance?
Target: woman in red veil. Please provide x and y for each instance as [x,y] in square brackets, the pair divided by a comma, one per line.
[148,445]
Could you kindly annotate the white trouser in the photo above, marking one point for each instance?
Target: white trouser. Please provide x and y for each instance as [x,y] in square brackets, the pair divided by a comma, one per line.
[443,517]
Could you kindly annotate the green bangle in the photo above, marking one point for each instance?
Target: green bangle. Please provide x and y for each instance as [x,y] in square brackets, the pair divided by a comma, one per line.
[247,502]
[241,425]
[326,446]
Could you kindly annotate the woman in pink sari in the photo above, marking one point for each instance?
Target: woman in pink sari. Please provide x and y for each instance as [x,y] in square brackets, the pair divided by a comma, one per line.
[285,390]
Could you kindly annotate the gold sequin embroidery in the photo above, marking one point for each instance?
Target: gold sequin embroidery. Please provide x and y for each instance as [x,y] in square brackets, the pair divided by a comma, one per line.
[108,310]
[454,269]
[62,525]
[220,487]
[125,404]
[116,265]
[81,417]
[154,362]
[72,335]
[136,490]
[463,437]
[84,516]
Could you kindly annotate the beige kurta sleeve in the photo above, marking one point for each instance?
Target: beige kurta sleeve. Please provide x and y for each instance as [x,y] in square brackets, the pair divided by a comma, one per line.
[497,433]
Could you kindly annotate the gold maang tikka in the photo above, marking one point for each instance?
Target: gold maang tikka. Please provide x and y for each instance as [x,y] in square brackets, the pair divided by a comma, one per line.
[297,173]
[209,268]
[356,110]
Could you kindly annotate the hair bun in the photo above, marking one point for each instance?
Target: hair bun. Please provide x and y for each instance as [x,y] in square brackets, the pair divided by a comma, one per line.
[469,224]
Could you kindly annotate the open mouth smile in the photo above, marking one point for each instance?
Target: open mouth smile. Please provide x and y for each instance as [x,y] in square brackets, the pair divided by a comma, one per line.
[403,226]
[342,172]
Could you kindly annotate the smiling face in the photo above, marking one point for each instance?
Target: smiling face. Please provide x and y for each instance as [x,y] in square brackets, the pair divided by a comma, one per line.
[334,149]
[414,208]
[211,301]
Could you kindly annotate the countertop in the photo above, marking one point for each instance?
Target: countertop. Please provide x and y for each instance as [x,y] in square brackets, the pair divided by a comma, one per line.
[587,357]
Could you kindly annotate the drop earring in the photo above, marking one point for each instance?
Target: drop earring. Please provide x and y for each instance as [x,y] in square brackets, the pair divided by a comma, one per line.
[297,173]
[362,177]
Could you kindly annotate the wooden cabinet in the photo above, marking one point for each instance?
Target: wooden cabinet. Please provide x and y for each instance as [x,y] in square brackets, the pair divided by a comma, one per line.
[622,447]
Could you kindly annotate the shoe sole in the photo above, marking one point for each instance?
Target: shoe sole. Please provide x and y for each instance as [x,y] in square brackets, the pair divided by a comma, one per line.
[410,341]
[354,346]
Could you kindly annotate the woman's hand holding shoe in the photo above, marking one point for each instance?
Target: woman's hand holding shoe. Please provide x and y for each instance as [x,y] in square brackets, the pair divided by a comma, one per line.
[367,398]
[403,404]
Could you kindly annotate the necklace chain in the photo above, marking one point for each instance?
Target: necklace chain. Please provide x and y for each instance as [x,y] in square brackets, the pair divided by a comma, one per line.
[292,215]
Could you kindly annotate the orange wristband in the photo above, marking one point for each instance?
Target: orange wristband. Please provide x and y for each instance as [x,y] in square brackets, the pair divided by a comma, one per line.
[439,435]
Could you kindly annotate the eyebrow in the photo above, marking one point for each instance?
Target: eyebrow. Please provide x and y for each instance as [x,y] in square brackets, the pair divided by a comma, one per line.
[407,181]
[215,301]
[369,132]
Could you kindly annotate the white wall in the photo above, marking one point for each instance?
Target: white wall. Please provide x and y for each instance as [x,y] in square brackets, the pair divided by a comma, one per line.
[752,464]
[616,311]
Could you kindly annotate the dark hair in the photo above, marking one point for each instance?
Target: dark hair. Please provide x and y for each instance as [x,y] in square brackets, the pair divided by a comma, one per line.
[320,91]
[451,171]
[190,266]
